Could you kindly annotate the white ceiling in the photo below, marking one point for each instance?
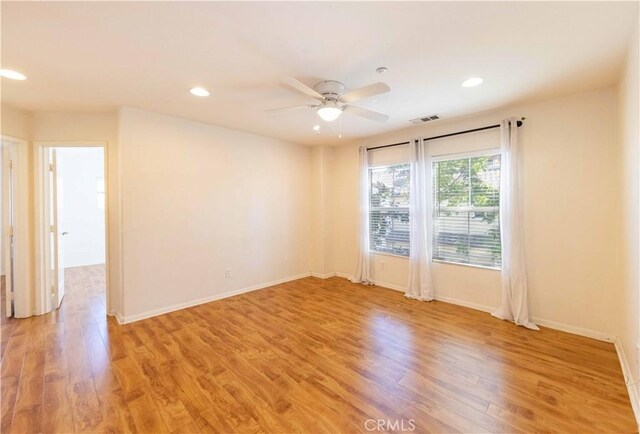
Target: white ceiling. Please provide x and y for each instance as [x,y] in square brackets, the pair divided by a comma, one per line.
[94,56]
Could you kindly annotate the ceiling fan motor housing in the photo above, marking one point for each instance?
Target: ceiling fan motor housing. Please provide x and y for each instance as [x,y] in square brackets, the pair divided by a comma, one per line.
[330,89]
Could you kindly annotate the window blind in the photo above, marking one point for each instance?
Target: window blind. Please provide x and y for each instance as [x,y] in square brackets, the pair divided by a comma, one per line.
[466,219]
[389,209]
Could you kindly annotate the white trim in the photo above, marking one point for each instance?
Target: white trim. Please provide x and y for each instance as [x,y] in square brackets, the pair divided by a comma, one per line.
[467,154]
[463,303]
[119,317]
[344,275]
[389,286]
[393,255]
[39,146]
[462,264]
[458,302]
[580,331]
[179,306]
[628,377]
[21,229]
[484,308]
[322,276]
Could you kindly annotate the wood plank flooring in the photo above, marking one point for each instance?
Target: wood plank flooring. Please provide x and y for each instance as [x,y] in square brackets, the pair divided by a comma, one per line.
[306,356]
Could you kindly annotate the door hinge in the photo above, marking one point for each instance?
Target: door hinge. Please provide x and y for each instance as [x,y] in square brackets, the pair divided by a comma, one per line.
[52,228]
[10,164]
[53,290]
[51,167]
[10,231]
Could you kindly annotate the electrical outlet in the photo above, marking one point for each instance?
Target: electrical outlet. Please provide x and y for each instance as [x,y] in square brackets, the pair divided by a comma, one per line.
[227,273]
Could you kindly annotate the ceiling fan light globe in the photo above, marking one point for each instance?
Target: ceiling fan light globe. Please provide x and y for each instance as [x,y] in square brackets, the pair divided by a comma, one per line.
[329,113]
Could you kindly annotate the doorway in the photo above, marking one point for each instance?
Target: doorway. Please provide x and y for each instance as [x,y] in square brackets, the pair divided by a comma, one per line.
[73,229]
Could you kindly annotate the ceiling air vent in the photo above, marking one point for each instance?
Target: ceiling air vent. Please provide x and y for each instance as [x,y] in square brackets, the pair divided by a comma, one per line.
[425,119]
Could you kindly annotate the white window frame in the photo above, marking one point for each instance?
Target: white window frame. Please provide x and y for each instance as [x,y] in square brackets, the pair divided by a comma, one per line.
[371,248]
[461,156]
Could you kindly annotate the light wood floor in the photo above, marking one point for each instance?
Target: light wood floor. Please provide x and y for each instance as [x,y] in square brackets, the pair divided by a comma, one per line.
[305,356]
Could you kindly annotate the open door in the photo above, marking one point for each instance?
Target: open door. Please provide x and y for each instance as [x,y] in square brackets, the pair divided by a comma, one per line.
[54,257]
[58,232]
[8,215]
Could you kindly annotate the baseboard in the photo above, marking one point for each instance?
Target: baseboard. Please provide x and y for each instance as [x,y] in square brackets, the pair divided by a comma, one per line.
[628,377]
[322,276]
[119,317]
[443,299]
[390,286]
[463,303]
[484,308]
[127,319]
[580,331]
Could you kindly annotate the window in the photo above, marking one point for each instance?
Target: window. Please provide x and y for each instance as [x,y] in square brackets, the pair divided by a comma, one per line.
[389,209]
[466,219]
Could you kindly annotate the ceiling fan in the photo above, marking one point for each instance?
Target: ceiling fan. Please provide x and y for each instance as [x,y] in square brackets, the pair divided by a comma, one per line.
[333,101]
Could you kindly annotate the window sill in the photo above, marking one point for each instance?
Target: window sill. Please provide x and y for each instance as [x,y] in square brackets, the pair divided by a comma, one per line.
[438,261]
[461,264]
[393,255]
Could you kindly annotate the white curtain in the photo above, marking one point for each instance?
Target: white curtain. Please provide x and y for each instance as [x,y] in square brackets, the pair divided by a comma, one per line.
[419,286]
[514,306]
[362,274]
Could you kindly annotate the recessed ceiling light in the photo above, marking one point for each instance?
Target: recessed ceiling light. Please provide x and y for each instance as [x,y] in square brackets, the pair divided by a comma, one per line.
[199,91]
[473,81]
[382,70]
[13,75]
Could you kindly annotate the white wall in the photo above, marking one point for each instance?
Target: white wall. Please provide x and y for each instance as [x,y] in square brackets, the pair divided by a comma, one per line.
[628,126]
[199,199]
[571,207]
[82,217]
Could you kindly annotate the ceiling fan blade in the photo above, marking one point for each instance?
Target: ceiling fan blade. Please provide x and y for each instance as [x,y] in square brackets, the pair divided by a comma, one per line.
[301,87]
[368,114]
[287,109]
[365,92]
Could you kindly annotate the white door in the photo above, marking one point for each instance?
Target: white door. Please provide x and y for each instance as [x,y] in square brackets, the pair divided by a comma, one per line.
[54,243]
[8,204]
[57,233]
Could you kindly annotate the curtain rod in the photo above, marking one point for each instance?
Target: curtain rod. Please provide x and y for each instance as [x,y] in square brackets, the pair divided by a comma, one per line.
[446,135]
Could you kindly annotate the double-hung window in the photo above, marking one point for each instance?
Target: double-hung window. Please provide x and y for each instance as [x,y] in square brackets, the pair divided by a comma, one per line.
[466,219]
[389,209]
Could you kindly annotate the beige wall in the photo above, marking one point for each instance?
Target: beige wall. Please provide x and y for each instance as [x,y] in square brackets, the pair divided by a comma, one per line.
[629,302]
[571,207]
[321,198]
[15,122]
[197,200]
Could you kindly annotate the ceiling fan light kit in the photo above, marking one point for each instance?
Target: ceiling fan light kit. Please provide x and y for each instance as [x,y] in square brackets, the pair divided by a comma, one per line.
[329,111]
[333,100]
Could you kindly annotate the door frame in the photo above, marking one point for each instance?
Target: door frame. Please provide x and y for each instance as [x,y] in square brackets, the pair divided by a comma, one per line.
[21,260]
[43,299]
